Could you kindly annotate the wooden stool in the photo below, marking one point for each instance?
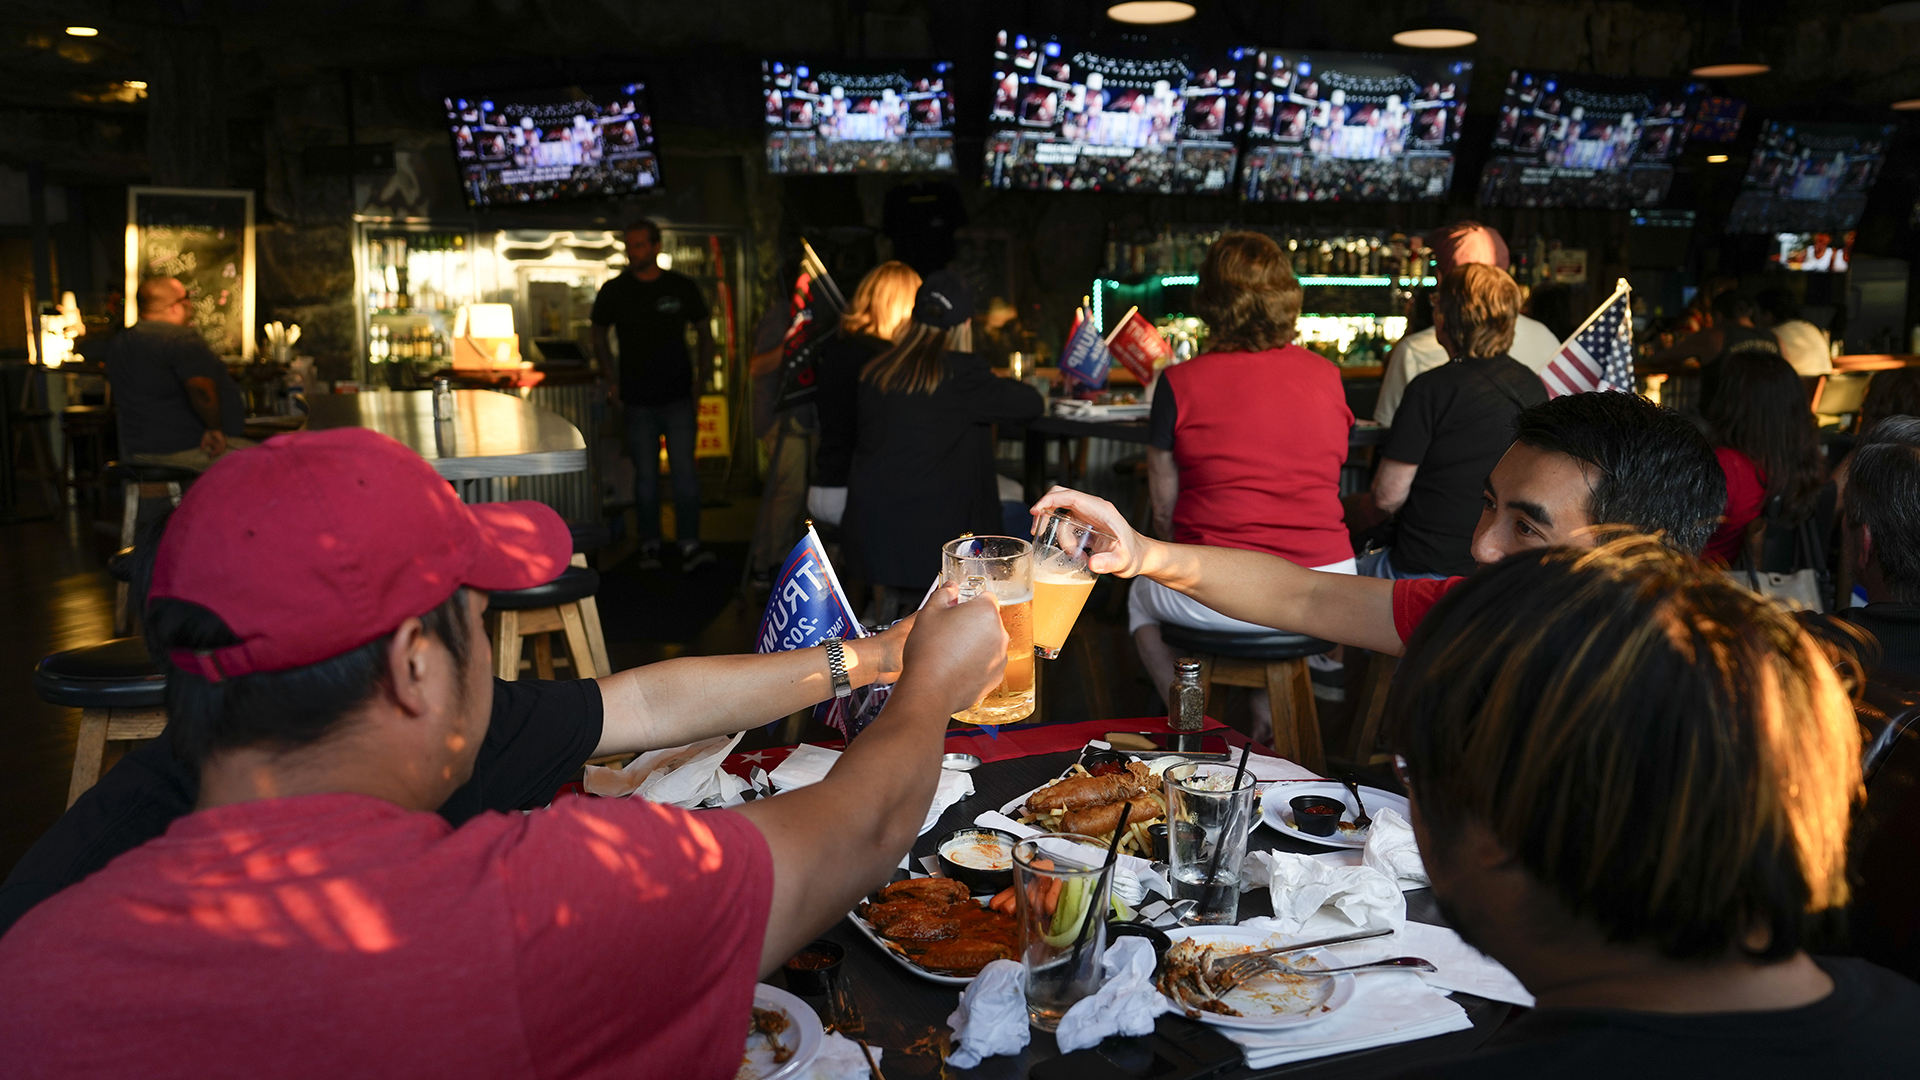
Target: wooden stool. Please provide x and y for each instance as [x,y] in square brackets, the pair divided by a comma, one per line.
[141,482]
[536,613]
[1367,712]
[120,569]
[92,427]
[121,695]
[1272,661]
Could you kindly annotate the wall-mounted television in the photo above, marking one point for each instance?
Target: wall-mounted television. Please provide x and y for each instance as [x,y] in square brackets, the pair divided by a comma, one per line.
[1069,116]
[1812,253]
[1585,141]
[1717,119]
[530,146]
[1349,127]
[1809,178]
[858,116]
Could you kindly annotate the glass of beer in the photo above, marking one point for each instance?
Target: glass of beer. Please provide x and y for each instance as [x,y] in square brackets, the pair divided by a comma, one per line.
[1061,579]
[1003,566]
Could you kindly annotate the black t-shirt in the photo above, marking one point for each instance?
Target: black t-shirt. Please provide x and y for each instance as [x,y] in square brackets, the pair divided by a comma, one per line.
[540,734]
[148,365]
[1735,340]
[652,319]
[838,398]
[1864,1028]
[1454,423]
[1897,628]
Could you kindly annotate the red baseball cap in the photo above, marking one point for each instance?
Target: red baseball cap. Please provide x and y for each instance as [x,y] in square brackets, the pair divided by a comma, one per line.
[315,543]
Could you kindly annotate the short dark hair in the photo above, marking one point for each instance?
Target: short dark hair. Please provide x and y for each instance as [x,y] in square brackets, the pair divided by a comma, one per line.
[1895,392]
[648,226]
[1657,472]
[281,709]
[1733,304]
[1779,303]
[1479,305]
[1666,753]
[1883,495]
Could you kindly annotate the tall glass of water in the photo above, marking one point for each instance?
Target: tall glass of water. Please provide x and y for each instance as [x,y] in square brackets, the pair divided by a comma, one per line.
[1061,884]
[1208,819]
[1003,566]
[1061,578]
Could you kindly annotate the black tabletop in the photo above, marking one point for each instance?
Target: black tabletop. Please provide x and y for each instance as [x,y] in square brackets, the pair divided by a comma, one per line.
[907,1015]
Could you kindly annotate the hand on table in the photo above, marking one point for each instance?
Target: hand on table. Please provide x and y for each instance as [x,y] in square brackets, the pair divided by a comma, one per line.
[1128,559]
[957,650]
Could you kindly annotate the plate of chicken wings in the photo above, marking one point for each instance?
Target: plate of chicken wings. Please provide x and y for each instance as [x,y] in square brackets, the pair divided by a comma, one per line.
[932,927]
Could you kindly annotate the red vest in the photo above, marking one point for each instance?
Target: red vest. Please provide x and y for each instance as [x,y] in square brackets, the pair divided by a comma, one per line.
[1260,438]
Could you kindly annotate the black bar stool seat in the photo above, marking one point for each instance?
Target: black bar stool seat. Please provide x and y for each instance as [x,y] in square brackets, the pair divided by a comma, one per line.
[1270,660]
[133,472]
[573,584]
[120,692]
[565,605]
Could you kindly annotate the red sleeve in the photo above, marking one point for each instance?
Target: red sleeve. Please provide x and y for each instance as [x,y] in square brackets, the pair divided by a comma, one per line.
[615,900]
[1746,494]
[1414,597]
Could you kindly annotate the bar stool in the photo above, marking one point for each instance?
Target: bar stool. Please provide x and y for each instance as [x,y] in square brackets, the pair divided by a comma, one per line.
[145,482]
[120,569]
[1272,661]
[91,427]
[1367,713]
[536,613]
[120,692]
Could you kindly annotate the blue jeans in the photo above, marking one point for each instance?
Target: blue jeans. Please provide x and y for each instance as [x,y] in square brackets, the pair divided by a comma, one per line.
[645,424]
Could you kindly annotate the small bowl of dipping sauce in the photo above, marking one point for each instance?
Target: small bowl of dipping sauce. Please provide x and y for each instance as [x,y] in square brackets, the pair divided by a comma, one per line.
[1317,815]
[811,971]
[981,859]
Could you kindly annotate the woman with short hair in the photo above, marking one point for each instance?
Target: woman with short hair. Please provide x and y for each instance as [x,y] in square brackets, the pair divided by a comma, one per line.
[1246,442]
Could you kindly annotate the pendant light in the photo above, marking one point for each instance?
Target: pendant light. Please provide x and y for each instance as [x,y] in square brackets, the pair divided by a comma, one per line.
[1151,12]
[1437,29]
[1733,60]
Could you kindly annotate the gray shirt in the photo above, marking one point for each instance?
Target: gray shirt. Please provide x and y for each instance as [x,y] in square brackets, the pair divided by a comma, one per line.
[148,365]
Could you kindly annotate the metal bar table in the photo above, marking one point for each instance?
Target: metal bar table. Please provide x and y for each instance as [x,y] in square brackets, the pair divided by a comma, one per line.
[491,439]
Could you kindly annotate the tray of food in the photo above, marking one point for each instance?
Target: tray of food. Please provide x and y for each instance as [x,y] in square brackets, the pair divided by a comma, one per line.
[936,929]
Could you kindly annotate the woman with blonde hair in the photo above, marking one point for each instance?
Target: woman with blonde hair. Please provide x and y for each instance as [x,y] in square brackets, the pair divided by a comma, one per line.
[880,311]
[922,469]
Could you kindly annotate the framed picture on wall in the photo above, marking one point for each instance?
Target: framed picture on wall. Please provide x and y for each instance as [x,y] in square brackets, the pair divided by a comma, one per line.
[204,237]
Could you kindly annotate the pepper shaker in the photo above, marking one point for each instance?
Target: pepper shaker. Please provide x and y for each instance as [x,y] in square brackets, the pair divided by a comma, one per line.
[1186,701]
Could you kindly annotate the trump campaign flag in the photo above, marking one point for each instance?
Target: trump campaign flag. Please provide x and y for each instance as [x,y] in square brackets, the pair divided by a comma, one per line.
[1086,357]
[1137,344]
[807,606]
[1599,355]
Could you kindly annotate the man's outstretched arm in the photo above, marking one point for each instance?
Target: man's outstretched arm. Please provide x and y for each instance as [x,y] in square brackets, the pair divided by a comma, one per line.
[1251,586]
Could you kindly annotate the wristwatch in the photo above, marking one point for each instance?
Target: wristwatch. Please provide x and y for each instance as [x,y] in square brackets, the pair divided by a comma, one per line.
[837,666]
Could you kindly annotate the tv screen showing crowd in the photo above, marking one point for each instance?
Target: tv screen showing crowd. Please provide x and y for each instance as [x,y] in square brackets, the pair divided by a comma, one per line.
[537,146]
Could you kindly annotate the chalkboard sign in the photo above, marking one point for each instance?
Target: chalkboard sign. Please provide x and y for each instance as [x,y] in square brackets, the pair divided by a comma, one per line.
[204,237]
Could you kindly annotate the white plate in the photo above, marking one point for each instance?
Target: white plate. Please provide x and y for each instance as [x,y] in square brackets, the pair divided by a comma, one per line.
[804,1036]
[1278,809]
[887,947]
[1269,1004]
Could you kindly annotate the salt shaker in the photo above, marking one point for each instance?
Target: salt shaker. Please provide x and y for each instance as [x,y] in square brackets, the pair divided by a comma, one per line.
[442,399]
[1186,701]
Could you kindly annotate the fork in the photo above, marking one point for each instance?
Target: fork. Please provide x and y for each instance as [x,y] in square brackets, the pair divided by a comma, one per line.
[1360,818]
[1248,968]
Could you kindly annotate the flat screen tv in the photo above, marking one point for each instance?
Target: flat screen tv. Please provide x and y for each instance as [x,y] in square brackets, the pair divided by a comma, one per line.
[1585,141]
[1809,178]
[1069,116]
[532,146]
[1717,120]
[1812,253]
[858,116]
[1349,127]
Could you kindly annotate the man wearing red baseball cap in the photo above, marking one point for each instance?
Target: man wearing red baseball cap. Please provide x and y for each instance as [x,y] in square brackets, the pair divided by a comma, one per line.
[320,599]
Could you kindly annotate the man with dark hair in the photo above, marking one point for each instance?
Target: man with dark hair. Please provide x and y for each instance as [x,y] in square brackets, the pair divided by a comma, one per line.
[1578,461]
[1632,783]
[1883,541]
[313,917]
[175,402]
[651,309]
[1733,333]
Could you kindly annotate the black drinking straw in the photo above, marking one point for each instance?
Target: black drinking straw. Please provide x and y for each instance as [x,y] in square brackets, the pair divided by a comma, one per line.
[1220,846]
[1113,853]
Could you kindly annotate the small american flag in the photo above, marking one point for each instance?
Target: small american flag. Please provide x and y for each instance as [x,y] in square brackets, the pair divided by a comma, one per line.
[1599,355]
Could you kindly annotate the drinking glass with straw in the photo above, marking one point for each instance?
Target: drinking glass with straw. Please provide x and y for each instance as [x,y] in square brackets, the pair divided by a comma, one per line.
[1209,814]
[1061,896]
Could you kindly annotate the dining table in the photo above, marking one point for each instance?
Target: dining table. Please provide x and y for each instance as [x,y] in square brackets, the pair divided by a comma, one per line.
[1361,437]
[490,438]
[906,1014]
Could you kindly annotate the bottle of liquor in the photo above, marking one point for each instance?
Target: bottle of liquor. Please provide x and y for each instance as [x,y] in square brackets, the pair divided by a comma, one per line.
[1186,701]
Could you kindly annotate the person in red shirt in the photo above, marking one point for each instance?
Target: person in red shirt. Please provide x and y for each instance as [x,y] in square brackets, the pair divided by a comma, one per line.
[1767,444]
[1247,440]
[319,600]
[1576,462]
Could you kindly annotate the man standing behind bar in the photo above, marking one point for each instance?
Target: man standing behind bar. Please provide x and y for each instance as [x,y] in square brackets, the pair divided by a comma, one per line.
[652,308]
[176,403]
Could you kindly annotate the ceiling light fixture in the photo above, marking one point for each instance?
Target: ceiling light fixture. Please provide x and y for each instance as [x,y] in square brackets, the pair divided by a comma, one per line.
[135,84]
[1716,159]
[1733,59]
[1151,12]
[1437,29]
[82,31]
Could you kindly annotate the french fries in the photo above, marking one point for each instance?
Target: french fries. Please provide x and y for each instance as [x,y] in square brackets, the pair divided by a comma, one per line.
[1134,842]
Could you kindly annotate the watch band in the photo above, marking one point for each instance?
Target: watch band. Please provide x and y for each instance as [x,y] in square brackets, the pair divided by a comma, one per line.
[837,667]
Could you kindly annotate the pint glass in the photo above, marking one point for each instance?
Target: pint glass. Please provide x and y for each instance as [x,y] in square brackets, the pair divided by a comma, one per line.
[1002,566]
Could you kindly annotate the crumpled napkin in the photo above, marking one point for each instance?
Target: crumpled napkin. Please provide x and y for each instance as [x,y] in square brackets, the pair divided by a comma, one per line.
[992,1017]
[1392,851]
[683,776]
[1125,1004]
[809,764]
[1301,885]
[840,1059]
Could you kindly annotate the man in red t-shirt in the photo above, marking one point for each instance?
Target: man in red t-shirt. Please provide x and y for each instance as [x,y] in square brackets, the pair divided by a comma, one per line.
[320,600]
[1576,462]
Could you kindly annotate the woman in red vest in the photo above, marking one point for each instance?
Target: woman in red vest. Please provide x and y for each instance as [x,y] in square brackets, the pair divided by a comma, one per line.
[1247,441]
